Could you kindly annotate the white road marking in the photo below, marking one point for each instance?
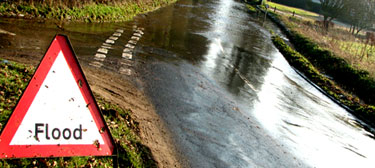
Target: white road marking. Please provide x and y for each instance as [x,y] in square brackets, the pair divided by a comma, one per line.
[113,38]
[120,31]
[128,51]
[131,46]
[116,34]
[127,56]
[109,41]
[139,31]
[100,55]
[103,50]
[106,47]
[132,42]
[137,34]
[135,38]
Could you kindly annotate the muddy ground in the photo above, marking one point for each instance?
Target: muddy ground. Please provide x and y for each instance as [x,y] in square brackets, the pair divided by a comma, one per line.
[153,132]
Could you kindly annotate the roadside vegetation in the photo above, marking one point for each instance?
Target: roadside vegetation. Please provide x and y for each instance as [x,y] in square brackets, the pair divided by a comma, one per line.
[338,61]
[80,10]
[131,152]
[363,111]
[291,10]
[357,50]
[335,54]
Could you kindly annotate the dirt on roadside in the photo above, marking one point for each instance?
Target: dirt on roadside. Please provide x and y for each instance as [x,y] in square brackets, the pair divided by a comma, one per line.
[153,132]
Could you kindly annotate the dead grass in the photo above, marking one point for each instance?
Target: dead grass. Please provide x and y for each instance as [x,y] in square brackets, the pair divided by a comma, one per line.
[339,40]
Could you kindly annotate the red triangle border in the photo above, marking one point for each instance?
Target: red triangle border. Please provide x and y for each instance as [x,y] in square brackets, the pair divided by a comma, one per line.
[59,43]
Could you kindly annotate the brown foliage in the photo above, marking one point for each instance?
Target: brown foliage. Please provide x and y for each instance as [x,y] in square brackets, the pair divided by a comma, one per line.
[370,37]
[332,39]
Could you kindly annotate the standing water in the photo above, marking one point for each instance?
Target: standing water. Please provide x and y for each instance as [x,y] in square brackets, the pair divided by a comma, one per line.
[227,95]
[230,98]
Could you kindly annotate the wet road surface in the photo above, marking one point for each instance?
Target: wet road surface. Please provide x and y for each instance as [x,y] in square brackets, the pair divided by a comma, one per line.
[228,96]
[231,99]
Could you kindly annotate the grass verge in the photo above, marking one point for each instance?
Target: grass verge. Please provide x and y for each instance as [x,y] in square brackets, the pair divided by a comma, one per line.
[361,110]
[88,12]
[358,82]
[318,64]
[251,8]
[125,131]
[355,49]
[289,9]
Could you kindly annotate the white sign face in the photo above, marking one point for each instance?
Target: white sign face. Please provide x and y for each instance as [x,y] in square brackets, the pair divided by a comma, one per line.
[59,113]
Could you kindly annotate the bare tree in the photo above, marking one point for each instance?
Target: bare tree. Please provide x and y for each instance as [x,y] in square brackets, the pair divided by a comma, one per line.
[360,15]
[332,9]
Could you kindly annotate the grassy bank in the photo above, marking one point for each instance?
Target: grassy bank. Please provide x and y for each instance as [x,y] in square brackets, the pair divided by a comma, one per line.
[290,10]
[86,11]
[358,51]
[355,49]
[361,110]
[356,81]
[13,80]
[360,82]
[327,69]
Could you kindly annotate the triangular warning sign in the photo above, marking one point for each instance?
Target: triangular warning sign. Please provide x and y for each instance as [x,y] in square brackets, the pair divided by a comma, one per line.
[57,115]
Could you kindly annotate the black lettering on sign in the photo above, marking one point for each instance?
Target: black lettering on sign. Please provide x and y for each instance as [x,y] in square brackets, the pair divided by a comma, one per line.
[79,130]
[37,130]
[66,130]
[56,133]
[47,137]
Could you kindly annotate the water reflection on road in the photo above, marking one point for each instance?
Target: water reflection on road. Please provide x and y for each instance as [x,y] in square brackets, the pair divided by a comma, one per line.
[228,96]
[231,99]
[314,128]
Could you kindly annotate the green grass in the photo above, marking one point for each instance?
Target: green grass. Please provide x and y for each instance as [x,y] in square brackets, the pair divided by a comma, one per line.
[90,12]
[311,60]
[251,8]
[360,83]
[361,110]
[338,40]
[13,80]
[132,153]
[357,49]
[288,9]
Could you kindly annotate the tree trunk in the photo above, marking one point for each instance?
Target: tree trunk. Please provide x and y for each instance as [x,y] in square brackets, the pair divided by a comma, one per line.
[358,30]
[325,23]
[353,29]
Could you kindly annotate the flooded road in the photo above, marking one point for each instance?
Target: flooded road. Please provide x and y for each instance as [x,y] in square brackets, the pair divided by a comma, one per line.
[228,96]
[231,99]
